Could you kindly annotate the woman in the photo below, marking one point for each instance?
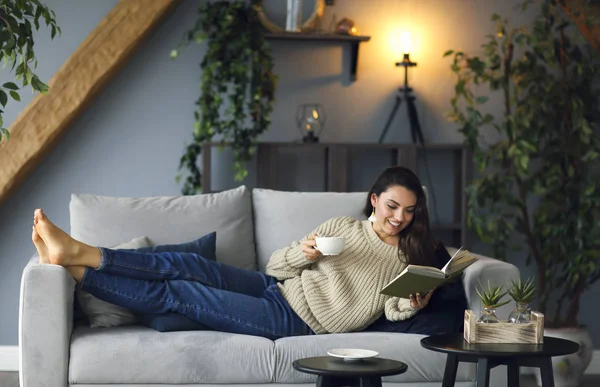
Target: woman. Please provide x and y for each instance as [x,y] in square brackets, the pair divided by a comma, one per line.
[302,291]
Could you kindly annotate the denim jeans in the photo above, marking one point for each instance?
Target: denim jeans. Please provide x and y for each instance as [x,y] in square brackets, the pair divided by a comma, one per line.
[221,297]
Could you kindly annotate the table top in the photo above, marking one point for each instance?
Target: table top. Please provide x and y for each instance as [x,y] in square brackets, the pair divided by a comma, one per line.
[456,344]
[333,366]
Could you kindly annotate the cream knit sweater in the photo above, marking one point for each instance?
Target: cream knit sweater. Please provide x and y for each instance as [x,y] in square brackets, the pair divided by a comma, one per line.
[340,293]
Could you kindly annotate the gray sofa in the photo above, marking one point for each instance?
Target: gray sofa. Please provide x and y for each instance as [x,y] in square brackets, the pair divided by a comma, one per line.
[55,352]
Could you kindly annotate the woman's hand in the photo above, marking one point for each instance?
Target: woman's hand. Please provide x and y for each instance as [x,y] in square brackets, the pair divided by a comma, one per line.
[308,248]
[419,302]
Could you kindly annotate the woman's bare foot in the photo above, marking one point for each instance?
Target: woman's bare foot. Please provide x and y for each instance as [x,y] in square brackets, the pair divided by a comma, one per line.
[76,271]
[40,246]
[62,249]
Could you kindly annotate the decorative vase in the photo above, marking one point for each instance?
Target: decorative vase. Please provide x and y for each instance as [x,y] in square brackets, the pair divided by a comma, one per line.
[488,316]
[569,369]
[293,21]
[521,314]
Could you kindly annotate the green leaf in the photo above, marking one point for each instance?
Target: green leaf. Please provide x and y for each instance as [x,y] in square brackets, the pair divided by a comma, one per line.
[447,53]
[3,98]
[482,99]
[15,96]
[10,86]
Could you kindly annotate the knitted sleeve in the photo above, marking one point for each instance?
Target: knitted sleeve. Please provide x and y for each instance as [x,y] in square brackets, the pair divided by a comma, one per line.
[289,262]
[397,309]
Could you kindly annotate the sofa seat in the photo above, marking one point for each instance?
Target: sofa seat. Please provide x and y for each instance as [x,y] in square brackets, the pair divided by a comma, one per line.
[140,355]
[207,357]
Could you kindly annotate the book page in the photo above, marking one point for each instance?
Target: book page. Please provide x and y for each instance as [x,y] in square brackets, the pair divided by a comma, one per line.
[459,261]
[427,271]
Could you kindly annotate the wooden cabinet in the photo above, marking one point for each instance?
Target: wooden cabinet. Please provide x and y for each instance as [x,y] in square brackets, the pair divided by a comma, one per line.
[336,169]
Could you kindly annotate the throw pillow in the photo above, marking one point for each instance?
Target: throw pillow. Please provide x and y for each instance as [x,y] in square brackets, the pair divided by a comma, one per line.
[444,313]
[205,246]
[171,322]
[103,314]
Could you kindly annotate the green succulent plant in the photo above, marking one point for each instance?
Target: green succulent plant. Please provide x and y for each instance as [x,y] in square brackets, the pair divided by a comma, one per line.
[491,297]
[522,292]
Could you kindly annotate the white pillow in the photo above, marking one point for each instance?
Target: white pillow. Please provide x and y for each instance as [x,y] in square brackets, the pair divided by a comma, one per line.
[102,314]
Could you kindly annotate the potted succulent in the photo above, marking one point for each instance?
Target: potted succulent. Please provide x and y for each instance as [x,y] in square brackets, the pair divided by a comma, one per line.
[491,298]
[522,293]
[538,188]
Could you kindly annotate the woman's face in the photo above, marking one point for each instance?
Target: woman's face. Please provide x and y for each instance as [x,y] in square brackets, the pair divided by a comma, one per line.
[394,210]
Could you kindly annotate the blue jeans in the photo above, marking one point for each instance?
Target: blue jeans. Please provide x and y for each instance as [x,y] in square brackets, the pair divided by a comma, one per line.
[219,296]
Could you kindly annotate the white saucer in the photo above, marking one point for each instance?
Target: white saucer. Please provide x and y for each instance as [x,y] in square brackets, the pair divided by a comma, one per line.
[350,354]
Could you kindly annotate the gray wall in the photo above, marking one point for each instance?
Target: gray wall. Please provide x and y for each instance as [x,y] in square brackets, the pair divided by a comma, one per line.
[129,142]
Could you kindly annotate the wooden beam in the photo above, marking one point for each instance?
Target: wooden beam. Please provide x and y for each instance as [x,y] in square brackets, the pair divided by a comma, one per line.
[95,63]
[581,10]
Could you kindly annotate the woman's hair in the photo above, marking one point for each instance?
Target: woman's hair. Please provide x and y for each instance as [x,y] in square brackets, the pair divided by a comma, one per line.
[415,241]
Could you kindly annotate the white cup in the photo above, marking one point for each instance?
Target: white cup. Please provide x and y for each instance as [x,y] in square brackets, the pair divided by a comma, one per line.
[330,245]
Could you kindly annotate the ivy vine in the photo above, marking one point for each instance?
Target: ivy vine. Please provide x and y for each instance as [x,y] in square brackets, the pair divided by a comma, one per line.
[18,18]
[237,85]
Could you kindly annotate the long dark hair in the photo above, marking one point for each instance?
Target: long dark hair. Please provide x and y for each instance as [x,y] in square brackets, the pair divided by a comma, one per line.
[415,241]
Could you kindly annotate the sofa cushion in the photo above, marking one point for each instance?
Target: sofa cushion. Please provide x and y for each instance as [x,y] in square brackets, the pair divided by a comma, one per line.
[282,217]
[423,365]
[139,355]
[106,221]
[102,314]
[205,246]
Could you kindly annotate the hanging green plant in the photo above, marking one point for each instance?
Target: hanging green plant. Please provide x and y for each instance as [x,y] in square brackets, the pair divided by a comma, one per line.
[237,85]
[18,19]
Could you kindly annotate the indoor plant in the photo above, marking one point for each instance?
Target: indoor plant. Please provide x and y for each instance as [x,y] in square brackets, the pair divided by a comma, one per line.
[18,18]
[491,298]
[237,85]
[536,186]
[522,293]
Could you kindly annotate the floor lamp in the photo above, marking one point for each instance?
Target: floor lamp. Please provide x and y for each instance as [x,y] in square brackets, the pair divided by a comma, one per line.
[405,93]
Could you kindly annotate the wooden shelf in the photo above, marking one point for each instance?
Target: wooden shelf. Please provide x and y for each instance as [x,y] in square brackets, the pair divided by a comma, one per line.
[325,37]
[336,168]
[315,36]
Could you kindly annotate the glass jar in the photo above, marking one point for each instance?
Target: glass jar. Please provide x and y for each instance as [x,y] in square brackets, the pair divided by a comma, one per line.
[521,314]
[488,315]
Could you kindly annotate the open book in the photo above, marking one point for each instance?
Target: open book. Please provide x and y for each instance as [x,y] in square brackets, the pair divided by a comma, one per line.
[420,279]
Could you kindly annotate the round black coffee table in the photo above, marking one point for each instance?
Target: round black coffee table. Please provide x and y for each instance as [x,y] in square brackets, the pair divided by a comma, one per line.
[488,356]
[336,372]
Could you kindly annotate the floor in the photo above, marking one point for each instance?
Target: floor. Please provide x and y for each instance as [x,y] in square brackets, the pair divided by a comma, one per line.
[11,379]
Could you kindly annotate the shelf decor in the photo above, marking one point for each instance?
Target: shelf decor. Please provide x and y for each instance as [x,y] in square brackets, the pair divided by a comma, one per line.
[310,119]
[309,25]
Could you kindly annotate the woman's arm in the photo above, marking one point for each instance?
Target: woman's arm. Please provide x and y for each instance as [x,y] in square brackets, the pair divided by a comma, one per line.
[289,262]
[397,309]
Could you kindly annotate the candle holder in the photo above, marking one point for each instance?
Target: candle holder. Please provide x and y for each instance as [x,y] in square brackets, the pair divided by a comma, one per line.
[310,119]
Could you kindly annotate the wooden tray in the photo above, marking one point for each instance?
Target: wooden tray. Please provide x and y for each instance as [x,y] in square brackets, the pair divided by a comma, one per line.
[504,332]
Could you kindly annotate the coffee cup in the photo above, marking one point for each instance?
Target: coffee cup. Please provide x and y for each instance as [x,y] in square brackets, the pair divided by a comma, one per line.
[330,245]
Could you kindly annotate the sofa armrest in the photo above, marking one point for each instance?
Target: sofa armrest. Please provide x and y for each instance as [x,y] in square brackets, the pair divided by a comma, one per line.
[497,272]
[45,325]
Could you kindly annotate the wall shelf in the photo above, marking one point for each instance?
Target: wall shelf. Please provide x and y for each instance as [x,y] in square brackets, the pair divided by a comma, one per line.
[336,168]
[354,42]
